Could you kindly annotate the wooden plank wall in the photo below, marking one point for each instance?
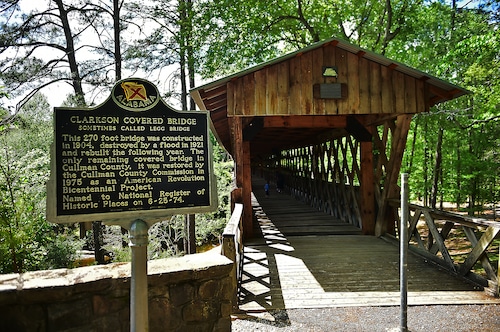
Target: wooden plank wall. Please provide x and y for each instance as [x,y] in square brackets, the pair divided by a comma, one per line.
[286,88]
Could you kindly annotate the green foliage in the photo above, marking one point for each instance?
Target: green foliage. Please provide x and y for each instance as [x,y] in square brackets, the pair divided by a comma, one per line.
[209,226]
[461,46]
[27,240]
[270,28]
[166,238]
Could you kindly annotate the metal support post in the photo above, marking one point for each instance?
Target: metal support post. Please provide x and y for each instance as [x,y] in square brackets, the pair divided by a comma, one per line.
[138,236]
[403,238]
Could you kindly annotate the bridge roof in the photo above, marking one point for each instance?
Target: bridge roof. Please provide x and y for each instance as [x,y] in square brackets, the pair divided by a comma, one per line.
[283,106]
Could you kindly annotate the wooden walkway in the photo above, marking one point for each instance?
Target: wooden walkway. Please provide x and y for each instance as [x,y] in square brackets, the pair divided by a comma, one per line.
[306,259]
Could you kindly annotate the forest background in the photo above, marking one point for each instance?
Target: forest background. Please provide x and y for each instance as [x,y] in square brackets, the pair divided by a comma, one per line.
[71,52]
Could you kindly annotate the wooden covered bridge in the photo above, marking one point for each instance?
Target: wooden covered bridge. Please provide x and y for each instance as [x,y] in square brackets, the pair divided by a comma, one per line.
[328,125]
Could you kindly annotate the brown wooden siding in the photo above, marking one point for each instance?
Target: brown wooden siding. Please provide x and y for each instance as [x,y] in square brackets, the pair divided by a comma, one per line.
[286,88]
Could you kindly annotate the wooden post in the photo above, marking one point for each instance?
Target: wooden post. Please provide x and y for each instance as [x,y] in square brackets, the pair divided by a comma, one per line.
[241,154]
[497,286]
[385,214]
[247,192]
[367,189]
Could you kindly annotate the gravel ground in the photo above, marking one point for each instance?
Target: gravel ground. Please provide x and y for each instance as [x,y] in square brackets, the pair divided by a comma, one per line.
[466,318]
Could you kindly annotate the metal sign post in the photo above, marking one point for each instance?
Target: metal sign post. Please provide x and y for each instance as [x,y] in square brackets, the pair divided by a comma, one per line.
[403,238]
[138,236]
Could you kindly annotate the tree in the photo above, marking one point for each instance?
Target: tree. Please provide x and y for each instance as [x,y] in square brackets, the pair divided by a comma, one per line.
[270,28]
[29,242]
[39,49]
[66,42]
[169,45]
[463,48]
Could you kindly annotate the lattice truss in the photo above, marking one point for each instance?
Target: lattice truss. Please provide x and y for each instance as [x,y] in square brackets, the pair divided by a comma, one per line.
[326,176]
[462,244]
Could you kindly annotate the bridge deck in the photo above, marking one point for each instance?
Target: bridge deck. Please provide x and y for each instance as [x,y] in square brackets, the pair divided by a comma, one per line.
[306,259]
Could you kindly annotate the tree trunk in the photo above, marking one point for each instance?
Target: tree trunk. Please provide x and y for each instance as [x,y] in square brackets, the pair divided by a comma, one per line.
[183,23]
[116,31]
[412,154]
[473,183]
[70,53]
[459,178]
[187,66]
[98,242]
[437,168]
[190,239]
[426,153]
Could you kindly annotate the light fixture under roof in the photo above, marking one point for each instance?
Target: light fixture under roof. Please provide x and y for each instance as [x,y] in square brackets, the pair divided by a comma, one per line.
[329,71]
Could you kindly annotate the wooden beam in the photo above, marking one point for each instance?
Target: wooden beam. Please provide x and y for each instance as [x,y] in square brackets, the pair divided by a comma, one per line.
[247,192]
[305,121]
[390,186]
[241,155]
[216,102]
[357,130]
[212,92]
[198,99]
[367,186]
[479,249]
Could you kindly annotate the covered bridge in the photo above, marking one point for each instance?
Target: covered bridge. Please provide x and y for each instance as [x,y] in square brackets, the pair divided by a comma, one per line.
[330,120]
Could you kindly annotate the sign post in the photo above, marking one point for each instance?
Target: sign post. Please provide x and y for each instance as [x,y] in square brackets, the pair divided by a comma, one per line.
[131,161]
[403,264]
[139,282]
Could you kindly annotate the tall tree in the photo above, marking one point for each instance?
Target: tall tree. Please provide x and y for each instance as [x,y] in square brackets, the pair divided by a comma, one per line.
[38,49]
[461,45]
[71,42]
[268,28]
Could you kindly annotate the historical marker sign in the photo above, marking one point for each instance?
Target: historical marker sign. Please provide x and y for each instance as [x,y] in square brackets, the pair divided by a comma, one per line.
[131,157]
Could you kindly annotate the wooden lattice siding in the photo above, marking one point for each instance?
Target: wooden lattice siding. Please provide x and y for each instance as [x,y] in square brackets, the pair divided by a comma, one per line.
[329,175]
[286,88]
[325,175]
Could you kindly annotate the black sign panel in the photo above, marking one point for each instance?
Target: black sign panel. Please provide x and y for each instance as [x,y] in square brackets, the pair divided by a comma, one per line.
[133,154]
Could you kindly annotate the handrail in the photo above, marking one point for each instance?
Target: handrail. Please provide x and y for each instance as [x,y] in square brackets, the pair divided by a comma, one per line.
[232,248]
[478,232]
[445,215]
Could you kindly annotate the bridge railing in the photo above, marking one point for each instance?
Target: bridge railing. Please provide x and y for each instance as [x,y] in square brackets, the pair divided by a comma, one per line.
[466,246]
[232,248]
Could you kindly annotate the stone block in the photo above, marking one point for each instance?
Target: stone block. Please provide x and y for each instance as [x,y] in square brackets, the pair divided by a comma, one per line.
[228,287]
[181,294]
[22,318]
[71,314]
[222,325]
[104,305]
[163,316]
[198,311]
[209,289]
[226,309]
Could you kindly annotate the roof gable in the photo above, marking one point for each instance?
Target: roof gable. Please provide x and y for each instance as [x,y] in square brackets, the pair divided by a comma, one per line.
[368,84]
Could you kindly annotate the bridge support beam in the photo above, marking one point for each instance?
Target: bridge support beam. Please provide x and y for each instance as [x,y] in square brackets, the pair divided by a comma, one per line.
[387,215]
[367,203]
[241,155]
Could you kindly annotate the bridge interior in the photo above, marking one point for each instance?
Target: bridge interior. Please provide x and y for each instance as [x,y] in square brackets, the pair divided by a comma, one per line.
[304,258]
